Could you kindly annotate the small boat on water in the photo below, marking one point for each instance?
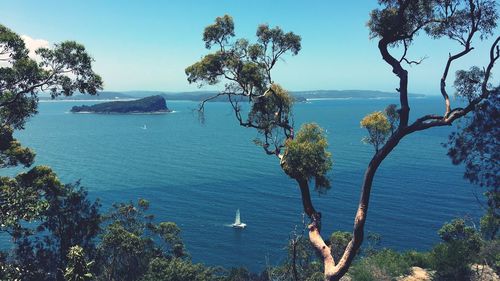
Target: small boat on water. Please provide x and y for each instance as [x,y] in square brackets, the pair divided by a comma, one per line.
[237,221]
[144,127]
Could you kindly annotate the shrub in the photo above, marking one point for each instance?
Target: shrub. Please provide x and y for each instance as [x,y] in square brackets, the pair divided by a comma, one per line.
[383,265]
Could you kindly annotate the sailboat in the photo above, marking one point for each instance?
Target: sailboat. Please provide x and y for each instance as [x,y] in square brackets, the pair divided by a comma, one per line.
[237,221]
[144,127]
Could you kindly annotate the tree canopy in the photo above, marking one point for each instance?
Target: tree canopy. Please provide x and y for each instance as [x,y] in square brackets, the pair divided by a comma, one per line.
[246,70]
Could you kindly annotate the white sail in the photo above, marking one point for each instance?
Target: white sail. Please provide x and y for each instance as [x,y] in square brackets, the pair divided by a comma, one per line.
[237,220]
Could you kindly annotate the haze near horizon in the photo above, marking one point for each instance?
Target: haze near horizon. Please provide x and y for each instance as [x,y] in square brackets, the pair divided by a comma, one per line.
[147,45]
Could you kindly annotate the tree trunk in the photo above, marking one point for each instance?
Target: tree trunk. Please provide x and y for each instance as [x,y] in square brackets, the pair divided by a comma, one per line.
[359,222]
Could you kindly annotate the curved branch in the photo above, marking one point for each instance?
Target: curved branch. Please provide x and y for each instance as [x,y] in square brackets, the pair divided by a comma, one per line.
[315,228]
[403,80]
[430,121]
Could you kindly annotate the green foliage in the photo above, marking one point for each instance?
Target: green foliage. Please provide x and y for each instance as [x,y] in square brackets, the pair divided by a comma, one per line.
[306,156]
[453,19]
[219,32]
[461,246]
[468,83]
[338,243]
[394,23]
[282,41]
[388,265]
[62,70]
[78,268]
[69,219]
[208,70]
[123,254]
[12,153]
[37,194]
[13,44]
[71,57]
[420,259]
[272,110]
[307,263]
[400,21]
[22,198]
[476,143]
[131,241]
[490,254]
[246,70]
[238,274]
[176,269]
[8,270]
[169,232]
[490,221]
[384,265]
[378,128]
[14,114]
[392,113]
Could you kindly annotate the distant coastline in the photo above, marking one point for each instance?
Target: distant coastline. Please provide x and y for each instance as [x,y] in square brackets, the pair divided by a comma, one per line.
[300,96]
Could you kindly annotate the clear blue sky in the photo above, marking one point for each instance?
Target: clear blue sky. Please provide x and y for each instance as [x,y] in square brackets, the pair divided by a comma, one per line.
[146,45]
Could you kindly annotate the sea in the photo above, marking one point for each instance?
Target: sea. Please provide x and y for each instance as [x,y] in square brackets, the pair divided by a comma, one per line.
[197,174]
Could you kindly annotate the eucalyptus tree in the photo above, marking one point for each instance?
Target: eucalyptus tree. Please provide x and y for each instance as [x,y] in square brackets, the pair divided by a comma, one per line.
[246,69]
[396,24]
[63,212]
[61,70]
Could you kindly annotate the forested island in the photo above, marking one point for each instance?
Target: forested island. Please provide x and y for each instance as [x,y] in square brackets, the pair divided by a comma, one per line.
[153,104]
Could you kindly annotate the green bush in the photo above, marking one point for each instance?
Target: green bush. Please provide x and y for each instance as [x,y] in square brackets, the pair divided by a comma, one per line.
[420,259]
[490,253]
[384,265]
[460,248]
[338,242]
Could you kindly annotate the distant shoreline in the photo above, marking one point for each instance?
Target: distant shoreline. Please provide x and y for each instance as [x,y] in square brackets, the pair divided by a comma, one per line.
[187,100]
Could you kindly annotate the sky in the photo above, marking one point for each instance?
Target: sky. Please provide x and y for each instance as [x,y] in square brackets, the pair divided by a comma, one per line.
[146,45]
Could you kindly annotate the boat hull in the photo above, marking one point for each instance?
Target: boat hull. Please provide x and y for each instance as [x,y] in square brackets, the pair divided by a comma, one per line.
[239,225]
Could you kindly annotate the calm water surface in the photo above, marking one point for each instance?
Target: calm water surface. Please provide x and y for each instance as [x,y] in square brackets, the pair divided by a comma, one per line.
[198,175]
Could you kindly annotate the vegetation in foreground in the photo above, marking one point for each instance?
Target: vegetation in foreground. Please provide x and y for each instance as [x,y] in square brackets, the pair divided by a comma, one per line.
[75,241]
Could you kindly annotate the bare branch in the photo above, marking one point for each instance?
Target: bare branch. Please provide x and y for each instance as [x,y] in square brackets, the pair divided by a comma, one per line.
[416,62]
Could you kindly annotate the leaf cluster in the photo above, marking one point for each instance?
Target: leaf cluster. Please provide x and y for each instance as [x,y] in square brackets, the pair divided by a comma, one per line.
[461,246]
[475,144]
[131,241]
[306,156]
[61,70]
[78,269]
[399,21]
[22,199]
[468,83]
[12,153]
[378,127]
[246,70]
[68,219]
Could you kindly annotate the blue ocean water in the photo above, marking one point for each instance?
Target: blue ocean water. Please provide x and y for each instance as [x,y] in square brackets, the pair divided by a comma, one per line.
[198,175]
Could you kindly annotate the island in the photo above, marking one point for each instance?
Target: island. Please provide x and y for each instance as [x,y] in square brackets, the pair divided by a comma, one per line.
[152,104]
